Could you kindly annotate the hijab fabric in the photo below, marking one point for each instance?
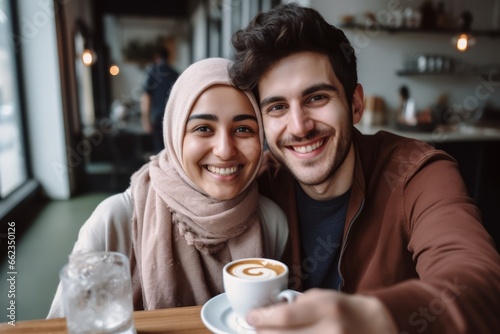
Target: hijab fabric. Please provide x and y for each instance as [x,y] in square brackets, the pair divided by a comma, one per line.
[182,237]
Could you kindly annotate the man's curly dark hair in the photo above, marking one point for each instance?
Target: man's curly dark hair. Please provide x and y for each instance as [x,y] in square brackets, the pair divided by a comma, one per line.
[284,30]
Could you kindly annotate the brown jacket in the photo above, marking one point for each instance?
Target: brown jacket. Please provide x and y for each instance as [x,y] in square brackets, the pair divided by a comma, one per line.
[412,237]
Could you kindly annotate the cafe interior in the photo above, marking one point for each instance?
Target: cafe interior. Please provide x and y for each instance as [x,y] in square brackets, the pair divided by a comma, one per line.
[71,74]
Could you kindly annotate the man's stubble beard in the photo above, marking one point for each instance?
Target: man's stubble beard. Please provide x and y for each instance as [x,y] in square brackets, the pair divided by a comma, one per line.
[334,168]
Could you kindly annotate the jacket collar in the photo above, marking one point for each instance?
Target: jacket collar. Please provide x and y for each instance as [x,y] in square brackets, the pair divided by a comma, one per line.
[358,188]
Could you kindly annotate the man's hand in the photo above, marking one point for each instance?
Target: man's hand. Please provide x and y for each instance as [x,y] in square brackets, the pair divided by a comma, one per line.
[324,311]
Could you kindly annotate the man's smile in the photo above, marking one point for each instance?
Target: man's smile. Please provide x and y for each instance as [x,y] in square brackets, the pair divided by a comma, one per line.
[308,148]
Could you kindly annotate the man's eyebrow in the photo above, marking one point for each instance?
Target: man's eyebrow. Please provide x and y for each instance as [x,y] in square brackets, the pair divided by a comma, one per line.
[271,99]
[307,91]
[318,87]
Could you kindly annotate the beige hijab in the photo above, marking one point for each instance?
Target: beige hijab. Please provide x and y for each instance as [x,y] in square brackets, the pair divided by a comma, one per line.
[182,237]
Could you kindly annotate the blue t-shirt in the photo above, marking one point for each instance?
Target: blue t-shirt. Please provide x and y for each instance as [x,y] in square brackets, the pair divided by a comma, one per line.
[322,227]
[158,83]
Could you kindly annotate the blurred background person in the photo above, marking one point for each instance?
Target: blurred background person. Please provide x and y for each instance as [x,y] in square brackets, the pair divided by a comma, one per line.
[157,85]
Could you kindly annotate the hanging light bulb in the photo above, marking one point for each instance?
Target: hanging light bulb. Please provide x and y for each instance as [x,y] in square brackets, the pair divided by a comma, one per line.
[89,57]
[463,42]
[114,70]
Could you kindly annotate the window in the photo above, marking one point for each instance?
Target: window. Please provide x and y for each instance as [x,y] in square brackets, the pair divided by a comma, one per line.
[13,170]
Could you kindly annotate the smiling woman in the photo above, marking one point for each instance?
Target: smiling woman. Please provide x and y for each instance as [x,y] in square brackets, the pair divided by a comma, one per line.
[221,147]
[195,206]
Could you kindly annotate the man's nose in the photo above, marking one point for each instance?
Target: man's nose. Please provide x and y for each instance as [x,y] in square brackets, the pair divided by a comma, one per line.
[225,146]
[299,121]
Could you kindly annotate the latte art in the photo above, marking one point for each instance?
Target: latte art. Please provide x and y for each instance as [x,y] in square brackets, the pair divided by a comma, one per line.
[255,269]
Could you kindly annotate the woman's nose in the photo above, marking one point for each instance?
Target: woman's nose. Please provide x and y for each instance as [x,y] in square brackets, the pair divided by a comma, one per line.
[225,146]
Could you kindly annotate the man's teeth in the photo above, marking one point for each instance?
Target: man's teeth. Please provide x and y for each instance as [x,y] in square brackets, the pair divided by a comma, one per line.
[308,148]
[223,171]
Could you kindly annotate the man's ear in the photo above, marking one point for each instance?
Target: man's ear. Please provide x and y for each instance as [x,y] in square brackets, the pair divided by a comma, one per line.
[357,104]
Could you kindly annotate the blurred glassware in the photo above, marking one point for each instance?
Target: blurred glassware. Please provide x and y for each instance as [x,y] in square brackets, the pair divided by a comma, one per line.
[97,294]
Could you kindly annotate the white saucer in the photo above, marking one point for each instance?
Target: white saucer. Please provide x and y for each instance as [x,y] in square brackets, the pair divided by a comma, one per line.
[219,317]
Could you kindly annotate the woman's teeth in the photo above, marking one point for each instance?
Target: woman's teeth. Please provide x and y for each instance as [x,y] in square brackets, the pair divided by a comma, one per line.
[222,171]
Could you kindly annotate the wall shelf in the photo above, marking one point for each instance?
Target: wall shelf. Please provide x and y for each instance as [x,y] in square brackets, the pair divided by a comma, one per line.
[406,73]
[477,33]
[493,74]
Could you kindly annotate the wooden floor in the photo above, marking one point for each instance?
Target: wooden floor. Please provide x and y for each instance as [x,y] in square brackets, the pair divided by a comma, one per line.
[41,251]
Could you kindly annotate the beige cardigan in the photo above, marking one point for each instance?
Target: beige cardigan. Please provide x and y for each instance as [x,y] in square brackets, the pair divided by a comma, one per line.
[109,229]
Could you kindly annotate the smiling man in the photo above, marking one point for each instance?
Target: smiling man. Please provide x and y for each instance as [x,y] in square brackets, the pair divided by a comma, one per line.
[383,225]
[309,123]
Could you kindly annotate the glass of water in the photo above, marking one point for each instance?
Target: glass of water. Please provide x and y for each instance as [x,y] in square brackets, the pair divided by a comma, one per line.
[97,294]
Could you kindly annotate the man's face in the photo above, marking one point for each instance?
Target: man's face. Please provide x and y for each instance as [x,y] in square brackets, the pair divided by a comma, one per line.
[307,120]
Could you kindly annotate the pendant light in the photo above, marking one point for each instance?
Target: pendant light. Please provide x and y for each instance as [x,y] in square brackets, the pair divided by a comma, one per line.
[89,57]
[464,39]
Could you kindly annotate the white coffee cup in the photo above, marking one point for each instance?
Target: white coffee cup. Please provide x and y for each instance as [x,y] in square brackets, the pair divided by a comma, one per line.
[256,282]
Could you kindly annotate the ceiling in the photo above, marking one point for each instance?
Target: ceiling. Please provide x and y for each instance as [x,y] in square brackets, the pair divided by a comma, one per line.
[157,8]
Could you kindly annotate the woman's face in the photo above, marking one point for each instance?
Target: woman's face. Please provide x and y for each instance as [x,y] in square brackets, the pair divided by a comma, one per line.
[221,146]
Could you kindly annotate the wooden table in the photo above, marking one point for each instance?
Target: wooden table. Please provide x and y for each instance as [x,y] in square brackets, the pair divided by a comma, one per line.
[171,321]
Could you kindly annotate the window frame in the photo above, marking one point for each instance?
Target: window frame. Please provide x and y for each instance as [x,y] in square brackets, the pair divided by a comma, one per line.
[26,191]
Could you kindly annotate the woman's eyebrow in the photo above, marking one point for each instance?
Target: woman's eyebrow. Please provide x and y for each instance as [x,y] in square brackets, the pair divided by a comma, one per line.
[214,118]
[207,117]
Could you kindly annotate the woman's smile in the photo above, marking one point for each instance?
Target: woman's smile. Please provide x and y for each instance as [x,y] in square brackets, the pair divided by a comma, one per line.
[221,148]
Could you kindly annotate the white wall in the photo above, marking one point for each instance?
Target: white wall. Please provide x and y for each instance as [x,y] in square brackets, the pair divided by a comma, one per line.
[199,32]
[381,54]
[43,97]
[236,14]
[305,3]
